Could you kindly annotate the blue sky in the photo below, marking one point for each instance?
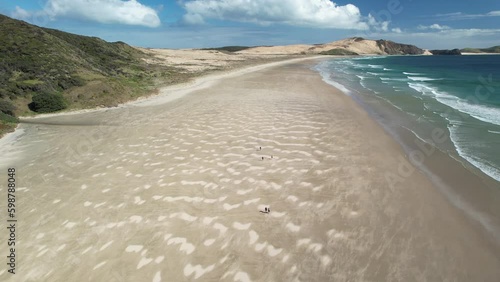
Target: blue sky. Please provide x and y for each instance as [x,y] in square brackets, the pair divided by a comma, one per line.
[428,24]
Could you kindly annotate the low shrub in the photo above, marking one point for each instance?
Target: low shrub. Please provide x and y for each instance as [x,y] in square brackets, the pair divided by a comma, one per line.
[47,102]
[7,107]
[8,118]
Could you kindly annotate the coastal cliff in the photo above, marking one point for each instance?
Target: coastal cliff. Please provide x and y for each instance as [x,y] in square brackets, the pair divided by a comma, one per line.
[348,46]
[393,48]
[453,52]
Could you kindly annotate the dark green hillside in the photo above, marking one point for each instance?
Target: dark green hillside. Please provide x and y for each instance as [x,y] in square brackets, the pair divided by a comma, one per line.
[77,71]
[339,52]
[494,49]
[230,49]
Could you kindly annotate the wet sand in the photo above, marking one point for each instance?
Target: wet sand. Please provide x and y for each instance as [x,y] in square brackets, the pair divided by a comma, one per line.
[173,192]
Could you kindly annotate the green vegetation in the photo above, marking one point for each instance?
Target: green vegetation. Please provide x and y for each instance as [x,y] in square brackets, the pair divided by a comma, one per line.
[230,49]
[46,103]
[470,50]
[38,64]
[339,52]
[8,120]
[494,49]
[37,60]
[7,108]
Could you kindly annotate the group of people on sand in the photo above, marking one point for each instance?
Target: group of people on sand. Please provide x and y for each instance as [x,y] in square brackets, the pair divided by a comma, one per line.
[260,149]
[266,209]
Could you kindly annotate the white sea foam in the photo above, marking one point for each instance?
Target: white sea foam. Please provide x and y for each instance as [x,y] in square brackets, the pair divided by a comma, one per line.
[392,79]
[422,78]
[322,68]
[489,169]
[480,112]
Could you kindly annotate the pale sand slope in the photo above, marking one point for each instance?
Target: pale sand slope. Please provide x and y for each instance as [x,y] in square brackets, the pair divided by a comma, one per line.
[196,60]
[354,44]
[172,193]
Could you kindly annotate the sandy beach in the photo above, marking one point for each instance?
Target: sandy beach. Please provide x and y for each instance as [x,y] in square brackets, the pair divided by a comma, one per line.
[171,189]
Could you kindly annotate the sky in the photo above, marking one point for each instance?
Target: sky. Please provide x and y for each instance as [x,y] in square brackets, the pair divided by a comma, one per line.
[429,24]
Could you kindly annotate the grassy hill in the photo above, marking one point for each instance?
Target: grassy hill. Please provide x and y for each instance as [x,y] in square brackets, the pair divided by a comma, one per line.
[229,49]
[43,70]
[494,49]
[339,52]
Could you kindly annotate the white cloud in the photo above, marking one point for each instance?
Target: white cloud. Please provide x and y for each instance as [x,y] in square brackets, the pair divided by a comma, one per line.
[433,27]
[471,32]
[396,30]
[377,26]
[446,39]
[463,16]
[194,19]
[129,12]
[439,27]
[20,14]
[305,13]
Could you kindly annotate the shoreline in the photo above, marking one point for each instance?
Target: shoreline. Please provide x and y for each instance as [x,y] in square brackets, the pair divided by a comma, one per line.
[467,187]
[187,178]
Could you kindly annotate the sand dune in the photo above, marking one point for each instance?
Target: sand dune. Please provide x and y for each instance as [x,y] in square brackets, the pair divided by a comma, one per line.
[354,44]
[196,60]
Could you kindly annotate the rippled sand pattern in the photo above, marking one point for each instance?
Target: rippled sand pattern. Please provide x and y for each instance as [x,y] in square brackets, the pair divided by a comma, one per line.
[174,193]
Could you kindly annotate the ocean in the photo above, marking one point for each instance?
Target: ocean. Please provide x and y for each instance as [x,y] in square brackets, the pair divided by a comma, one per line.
[456,95]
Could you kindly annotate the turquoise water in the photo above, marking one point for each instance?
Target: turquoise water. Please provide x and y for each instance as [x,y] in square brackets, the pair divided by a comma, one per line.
[459,94]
